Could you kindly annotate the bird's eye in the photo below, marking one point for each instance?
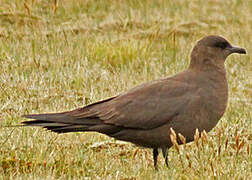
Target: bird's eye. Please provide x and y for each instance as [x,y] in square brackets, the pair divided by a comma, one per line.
[221,45]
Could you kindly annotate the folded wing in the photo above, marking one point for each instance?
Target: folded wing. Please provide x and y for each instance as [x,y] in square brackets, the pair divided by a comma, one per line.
[145,107]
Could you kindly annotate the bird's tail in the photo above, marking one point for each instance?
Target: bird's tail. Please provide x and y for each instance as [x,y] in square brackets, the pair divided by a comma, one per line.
[58,122]
[64,122]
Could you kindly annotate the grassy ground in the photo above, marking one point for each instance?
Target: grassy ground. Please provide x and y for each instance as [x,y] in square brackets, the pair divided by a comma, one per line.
[56,57]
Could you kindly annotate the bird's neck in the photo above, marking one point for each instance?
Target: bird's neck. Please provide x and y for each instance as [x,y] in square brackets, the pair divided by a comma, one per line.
[209,67]
[216,82]
[212,73]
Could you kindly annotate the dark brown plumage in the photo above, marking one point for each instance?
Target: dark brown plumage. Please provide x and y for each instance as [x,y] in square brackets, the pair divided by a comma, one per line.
[195,98]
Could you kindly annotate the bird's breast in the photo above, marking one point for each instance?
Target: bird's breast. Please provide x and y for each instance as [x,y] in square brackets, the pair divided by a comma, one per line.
[216,100]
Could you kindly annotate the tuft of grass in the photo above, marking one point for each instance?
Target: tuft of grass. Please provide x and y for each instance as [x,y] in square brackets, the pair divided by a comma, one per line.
[60,55]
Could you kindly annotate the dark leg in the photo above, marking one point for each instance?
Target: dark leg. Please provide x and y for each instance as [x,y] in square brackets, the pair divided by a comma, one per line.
[155,156]
[165,154]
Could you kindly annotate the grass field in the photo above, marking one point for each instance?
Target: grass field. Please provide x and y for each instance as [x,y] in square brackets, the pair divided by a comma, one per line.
[57,56]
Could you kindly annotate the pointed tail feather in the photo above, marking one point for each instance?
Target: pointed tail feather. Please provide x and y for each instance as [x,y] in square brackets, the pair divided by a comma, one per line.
[70,128]
[65,122]
[60,122]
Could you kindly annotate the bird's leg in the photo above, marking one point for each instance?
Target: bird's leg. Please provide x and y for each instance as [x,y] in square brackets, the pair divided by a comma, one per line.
[165,155]
[155,156]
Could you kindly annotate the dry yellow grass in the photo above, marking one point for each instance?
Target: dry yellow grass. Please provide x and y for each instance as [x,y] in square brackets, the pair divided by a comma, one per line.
[59,55]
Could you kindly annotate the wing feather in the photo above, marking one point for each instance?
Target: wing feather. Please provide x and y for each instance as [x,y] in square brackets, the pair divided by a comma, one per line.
[145,107]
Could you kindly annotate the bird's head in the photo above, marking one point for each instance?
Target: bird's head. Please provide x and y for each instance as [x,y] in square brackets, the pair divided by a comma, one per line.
[212,51]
